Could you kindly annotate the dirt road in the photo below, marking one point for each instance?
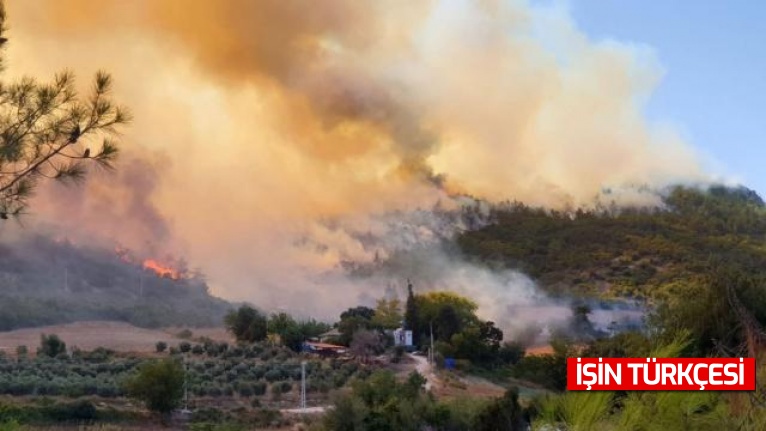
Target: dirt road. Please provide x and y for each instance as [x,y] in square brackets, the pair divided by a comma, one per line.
[424,368]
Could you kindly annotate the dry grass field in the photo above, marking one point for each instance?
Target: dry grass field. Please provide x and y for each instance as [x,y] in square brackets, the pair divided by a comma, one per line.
[118,336]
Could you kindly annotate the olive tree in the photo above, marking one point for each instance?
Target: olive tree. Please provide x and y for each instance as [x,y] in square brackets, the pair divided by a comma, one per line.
[159,384]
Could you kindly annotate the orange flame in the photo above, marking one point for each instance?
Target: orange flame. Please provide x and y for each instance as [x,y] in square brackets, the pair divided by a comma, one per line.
[161,270]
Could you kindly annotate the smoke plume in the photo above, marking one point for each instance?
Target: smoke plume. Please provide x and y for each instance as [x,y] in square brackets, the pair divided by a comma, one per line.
[260,124]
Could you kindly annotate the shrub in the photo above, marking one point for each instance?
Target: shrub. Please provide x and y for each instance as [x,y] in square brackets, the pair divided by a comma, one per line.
[78,411]
[274,374]
[259,388]
[185,334]
[245,390]
[51,346]
[398,354]
[285,387]
[228,390]
[22,351]
[214,391]
[161,346]
[159,384]
[208,414]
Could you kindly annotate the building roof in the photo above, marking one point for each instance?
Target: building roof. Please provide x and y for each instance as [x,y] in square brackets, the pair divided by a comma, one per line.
[331,333]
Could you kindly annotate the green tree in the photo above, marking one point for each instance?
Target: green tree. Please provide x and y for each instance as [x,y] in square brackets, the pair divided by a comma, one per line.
[288,329]
[431,305]
[502,414]
[351,325]
[412,314]
[280,323]
[511,352]
[447,323]
[381,403]
[353,320]
[447,312]
[22,352]
[293,333]
[51,346]
[366,313]
[158,384]
[49,131]
[388,314]
[247,324]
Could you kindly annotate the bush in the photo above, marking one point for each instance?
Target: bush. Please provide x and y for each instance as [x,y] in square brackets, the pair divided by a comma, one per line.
[245,390]
[285,387]
[259,388]
[159,384]
[398,354]
[185,334]
[274,375]
[161,346]
[184,347]
[51,346]
[22,351]
[247,324]
[208,414]
[77,411]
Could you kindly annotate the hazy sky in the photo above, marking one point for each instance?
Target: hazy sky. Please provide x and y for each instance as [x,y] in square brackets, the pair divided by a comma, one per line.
[714,88]
[270,138]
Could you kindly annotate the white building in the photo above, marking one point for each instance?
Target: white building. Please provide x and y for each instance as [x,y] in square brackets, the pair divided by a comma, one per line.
[402,337]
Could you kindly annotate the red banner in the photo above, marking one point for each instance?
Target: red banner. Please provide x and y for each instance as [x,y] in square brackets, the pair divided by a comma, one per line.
[661,374]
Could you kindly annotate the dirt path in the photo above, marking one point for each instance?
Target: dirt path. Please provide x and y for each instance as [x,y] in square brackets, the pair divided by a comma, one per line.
[424,368]
[307,410]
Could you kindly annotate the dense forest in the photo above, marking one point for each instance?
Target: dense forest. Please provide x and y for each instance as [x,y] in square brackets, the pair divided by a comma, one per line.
[697,259]
[638,252]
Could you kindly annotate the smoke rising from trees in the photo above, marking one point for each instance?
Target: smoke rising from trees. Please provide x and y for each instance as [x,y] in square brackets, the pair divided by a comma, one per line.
[275,131]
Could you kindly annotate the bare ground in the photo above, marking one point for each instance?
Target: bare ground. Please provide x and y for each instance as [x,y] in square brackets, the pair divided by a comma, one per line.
[118,336]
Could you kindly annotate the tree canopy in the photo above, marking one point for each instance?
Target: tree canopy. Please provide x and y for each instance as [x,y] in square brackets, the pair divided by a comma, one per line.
[51,346]
[247,324]
[158,384]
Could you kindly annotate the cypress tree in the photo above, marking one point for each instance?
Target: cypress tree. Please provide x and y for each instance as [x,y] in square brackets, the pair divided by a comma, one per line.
[411,315]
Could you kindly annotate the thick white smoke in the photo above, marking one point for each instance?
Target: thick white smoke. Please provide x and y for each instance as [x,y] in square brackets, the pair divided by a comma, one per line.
[268,122]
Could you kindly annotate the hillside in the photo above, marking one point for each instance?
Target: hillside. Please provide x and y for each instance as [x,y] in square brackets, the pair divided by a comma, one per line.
[45,281]
[627,252]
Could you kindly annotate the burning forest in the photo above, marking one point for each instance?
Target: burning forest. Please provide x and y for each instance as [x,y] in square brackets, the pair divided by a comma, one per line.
[479,178]
[267,167]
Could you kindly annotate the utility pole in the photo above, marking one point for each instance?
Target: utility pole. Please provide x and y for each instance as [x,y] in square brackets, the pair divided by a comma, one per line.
[186,386]
[303,385]
[431,350]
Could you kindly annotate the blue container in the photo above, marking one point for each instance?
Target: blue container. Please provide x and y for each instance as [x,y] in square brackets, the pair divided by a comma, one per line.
[449,363]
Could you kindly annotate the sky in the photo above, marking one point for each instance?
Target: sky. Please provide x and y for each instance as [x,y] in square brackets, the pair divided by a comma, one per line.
[714,61]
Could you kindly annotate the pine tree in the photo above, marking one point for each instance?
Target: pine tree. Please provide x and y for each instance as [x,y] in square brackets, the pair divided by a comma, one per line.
[412,315]
[49,131]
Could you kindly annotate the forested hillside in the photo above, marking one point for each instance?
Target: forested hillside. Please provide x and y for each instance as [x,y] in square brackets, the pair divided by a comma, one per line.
[698,260]
[44,281]
[631,252]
